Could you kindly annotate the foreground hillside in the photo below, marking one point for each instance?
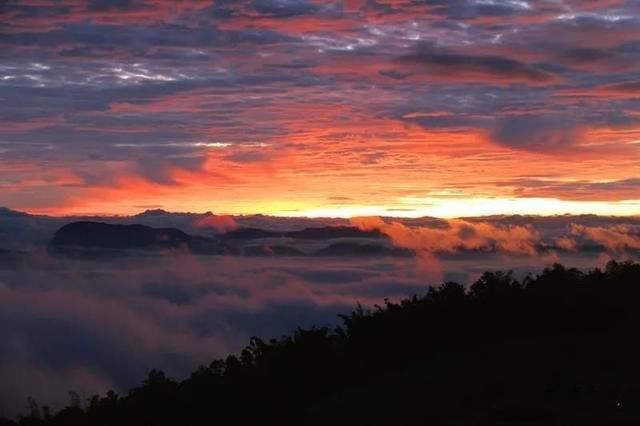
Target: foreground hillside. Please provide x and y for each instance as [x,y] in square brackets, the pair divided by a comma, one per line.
[558,348]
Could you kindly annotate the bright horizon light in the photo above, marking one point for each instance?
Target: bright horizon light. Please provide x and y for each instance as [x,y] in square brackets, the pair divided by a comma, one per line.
[410,208]
[473,207]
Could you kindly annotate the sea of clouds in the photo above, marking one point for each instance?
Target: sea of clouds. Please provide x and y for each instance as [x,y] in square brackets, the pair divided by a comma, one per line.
[92,324]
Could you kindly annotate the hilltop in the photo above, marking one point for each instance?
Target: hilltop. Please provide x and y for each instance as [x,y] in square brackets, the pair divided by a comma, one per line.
[556,348]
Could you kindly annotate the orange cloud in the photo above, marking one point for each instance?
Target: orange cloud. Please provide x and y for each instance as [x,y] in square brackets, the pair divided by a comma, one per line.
[456,235]
[219,223]
[617,238]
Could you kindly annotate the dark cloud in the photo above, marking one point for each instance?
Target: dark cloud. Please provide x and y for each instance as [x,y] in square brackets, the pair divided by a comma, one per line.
[159,170]
[611,190]
[284,8]
[545,133]
[479,67]
[277,9]
[247,156]
[394,74]
[631,88]
[453,9]
[586,55]
[470,9]
[103,5]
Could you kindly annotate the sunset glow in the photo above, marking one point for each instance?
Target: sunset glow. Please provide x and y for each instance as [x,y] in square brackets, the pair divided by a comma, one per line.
[313,108]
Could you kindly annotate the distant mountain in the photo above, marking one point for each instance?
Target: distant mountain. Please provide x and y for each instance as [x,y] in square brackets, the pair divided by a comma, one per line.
[101,235]
[252,234]
[333,232]
[104,235]
[85,234]
[4,211]
[315,233]
[154,212]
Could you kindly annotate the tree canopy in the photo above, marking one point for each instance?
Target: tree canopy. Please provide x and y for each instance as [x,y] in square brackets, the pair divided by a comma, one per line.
[561,347]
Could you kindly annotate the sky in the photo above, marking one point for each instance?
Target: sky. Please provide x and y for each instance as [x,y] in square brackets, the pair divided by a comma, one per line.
[320,108]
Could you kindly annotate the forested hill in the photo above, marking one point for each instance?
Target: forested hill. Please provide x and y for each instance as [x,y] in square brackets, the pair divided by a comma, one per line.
[559,348]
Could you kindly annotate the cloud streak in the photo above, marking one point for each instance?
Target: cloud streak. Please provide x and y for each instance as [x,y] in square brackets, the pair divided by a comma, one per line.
[455,236]
[109,105]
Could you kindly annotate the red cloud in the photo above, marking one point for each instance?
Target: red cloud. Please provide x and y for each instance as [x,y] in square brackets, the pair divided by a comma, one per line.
[219,223]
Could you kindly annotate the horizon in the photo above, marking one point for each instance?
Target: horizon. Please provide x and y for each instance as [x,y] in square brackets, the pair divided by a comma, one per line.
[444,209]
[285,216]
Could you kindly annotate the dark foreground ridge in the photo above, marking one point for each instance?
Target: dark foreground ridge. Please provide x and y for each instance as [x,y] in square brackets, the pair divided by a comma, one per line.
[560,348]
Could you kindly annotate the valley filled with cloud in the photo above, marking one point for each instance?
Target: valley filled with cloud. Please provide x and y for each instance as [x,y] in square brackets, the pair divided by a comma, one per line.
[88,319]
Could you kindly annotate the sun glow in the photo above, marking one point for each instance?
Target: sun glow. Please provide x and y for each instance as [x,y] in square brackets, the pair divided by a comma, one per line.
[475,206]
[410,207]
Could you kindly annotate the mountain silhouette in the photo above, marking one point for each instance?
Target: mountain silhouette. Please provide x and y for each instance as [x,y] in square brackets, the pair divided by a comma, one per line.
[5,211]
[99,235]
[104,235]
[314,233]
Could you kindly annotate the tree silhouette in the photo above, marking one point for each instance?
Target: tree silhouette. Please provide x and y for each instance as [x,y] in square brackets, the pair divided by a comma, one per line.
[557,348]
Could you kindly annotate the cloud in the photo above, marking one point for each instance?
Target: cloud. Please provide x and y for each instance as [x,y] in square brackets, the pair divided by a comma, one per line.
[219,223]
[625,89]
[94,325]
[426,94]
[470,9]
[102,5]
[586,55]
[541,133]
[566,243]
[609,190]
[456,236]
[284,8]
[89,326]
[162,170]
[528,237]
[616,239]
[247,156]
[472,67]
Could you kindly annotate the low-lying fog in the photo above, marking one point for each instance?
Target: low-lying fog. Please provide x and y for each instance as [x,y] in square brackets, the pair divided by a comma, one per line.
[90,325]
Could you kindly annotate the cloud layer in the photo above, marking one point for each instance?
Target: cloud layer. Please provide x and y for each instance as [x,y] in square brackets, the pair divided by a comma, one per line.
[91,323]
[90,326]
